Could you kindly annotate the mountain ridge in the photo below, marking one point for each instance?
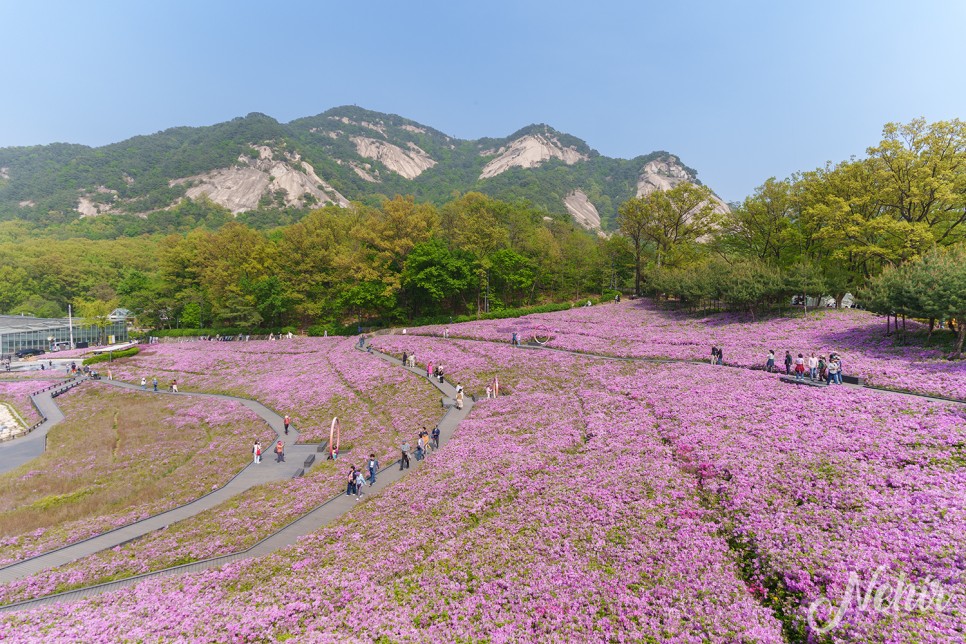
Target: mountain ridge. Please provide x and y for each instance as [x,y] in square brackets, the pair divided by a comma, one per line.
[256,163]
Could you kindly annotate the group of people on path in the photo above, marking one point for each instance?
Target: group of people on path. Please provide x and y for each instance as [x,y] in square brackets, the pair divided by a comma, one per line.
[425,442]
[358,480]
[817,368]
[257,452]
[172,386]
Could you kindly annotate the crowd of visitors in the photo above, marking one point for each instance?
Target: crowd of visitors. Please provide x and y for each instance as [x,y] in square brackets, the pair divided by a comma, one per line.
[815,368]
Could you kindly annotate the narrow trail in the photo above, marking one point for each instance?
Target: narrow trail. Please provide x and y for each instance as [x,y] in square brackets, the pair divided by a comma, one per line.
[705,363]
[286,536]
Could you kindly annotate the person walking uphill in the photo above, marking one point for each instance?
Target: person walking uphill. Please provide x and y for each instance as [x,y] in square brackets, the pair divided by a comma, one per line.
[286,421]
[280,452]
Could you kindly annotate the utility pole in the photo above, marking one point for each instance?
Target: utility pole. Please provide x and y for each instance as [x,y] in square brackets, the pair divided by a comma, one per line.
[70,325]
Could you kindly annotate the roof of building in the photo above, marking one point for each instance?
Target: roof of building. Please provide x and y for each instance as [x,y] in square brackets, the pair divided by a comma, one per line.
[21,323]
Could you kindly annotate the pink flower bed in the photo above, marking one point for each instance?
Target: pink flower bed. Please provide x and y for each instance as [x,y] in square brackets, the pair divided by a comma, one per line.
[604,501]
[315,379]
[17,393]
[643,329]
[310,379]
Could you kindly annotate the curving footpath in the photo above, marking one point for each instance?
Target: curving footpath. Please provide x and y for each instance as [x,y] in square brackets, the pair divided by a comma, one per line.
[286,536]
[250,476]
[779,375]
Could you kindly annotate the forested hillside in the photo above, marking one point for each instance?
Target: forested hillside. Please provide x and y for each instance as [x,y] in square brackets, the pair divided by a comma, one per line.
[344,154]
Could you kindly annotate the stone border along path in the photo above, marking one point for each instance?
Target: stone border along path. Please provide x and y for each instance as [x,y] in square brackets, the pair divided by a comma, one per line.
[286,536]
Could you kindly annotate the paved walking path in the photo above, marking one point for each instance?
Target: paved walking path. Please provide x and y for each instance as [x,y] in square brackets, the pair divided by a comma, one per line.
[253,474]
[286,536]
[706,363]
[27,447]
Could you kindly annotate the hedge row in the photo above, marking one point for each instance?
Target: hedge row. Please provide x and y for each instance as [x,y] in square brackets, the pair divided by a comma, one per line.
[106,357]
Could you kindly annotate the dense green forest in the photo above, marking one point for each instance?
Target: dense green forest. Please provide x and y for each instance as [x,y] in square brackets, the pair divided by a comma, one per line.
[197,267]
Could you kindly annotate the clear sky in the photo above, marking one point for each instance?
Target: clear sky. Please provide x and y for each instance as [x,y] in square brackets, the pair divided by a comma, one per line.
[739,90]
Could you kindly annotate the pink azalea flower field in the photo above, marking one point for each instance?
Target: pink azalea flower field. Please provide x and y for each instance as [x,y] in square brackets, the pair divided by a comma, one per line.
[642,329]
[315,379]
[601,501]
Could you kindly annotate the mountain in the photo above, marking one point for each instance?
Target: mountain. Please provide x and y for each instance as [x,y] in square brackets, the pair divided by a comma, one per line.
[255,164]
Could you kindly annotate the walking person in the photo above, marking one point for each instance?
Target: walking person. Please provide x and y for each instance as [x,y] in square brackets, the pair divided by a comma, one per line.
[360,483]
[436,437]
[279,452]
[813,367]
[154,383]
[714,354]
[257,452]
[832,371]
[286,421]
[174,386]
[404,459]
[373,466]
[350,487]
[800,368]
[144,383]
[420,449]
[770,362]
[822,368]
[788,363]
[720,356]
[459,400]
[429,369]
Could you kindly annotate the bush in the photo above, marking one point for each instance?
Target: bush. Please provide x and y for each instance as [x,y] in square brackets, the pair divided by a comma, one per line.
[106,357]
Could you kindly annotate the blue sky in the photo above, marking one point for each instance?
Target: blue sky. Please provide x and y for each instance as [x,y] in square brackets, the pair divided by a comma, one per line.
[739,90]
